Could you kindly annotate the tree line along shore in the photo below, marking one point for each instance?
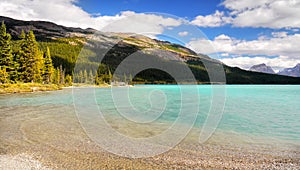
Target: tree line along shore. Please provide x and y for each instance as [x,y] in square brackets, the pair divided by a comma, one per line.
[26,66]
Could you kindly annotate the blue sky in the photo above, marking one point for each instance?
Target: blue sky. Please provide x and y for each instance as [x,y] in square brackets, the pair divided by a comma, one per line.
[187,9]
[243,32]
[175,7]
[178,8]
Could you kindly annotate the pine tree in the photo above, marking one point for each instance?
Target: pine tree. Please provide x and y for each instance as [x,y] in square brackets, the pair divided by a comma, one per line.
[91,77]
[5,50]
[109,76]
[125,78]
[56,77]
[69,80]
[75,77]
[130,79]
[38,58]
[3,75]
[31,59]
[14,74]
[85,76]
[98,80]
[62,75]
[48,67]
[20,58]
[80,77]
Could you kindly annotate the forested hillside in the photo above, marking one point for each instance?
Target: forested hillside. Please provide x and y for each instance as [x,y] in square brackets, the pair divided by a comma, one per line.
[25,61]
[51,59]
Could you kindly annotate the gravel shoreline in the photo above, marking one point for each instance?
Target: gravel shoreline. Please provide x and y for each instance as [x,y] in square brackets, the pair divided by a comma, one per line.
[206,157]
[37,138]
[20,161]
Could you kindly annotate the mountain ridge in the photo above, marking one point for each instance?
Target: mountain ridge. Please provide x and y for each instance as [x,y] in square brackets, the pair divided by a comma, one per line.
[263,68]
[42,29]
[48,33]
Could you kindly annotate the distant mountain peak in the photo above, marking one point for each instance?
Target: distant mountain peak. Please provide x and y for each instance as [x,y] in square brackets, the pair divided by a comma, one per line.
[263,68]
[293,72]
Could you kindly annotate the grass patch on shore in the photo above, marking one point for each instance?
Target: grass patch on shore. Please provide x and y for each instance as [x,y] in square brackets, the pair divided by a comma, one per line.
[27,87]
[90,85]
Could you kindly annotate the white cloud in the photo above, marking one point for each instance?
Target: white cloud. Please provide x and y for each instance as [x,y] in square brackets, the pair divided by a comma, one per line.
[60,11]
[248,13]
[243,13]
[65,12]
[277,63]
[224,54]
[284,46]
[221,44]
[242,5]
[275,46]
[280,34]
[214,20]
[203,46]
[264,13]
[184,33]
[149,24]
[295,29]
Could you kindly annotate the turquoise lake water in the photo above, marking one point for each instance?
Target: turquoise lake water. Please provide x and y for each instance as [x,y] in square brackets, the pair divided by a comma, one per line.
[271,111]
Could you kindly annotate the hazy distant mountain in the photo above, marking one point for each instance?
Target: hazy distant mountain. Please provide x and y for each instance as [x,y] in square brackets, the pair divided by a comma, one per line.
[262,68]
[294,72]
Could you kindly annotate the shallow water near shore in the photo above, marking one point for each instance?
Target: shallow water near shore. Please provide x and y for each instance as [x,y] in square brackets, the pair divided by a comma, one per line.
[259,128]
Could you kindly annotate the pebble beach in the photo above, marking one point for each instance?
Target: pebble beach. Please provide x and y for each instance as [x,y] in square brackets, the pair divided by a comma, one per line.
[28,142]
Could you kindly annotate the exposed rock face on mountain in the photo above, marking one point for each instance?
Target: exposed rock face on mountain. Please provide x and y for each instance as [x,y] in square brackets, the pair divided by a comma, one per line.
[294,72]
[42,29]
[263,68]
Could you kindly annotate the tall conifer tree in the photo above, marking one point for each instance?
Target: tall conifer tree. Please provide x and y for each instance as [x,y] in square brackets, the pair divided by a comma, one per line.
[48,67]
[20,57]
[5,49]
[32,60]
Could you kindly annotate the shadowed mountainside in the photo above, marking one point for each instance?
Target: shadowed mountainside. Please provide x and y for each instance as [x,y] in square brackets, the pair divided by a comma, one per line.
[67,43]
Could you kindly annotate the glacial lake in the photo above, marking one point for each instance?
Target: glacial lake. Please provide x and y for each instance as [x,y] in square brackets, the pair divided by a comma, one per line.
[255,117]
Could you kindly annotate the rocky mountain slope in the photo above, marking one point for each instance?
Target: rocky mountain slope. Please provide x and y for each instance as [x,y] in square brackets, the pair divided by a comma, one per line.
[262,68]
[42,29]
